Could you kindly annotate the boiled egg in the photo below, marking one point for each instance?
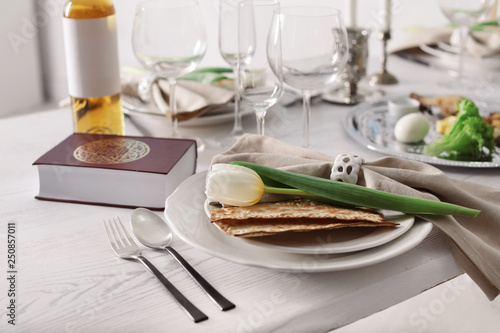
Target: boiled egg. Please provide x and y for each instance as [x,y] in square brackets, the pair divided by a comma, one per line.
[411,128]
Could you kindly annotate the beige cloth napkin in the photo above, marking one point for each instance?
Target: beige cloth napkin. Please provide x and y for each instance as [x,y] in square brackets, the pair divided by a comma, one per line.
[480,44]
[192,98]
[475,242]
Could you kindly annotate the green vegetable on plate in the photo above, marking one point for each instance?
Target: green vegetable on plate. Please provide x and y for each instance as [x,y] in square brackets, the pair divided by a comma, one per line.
[470,138]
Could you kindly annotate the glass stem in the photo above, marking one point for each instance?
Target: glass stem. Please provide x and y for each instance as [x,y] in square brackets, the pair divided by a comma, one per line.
[464,33]
[306,98]
[260,113]
[173,108]
[237,128]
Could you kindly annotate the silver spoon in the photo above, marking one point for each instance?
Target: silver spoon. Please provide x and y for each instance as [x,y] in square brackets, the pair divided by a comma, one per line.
[152,231]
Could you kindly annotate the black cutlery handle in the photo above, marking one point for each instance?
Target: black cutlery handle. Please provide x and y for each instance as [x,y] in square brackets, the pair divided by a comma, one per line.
[214,295]
[190,309]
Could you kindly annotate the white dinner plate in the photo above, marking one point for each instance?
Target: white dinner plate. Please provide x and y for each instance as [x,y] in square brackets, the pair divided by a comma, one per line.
[445,52]
[218,114]
[185,214]
[333,241]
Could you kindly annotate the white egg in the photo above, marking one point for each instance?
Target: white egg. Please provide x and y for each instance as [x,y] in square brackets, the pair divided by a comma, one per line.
[411,128]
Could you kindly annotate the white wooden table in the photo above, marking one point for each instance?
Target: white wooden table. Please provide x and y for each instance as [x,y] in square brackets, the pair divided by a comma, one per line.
[68,279]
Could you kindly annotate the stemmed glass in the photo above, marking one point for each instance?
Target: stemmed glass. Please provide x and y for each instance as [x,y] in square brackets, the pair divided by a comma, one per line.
[465,14]
[314,50]
[228,48]
[262,78]
[169,39]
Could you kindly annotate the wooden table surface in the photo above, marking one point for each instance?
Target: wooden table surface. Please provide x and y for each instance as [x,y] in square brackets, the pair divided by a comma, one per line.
[69,280]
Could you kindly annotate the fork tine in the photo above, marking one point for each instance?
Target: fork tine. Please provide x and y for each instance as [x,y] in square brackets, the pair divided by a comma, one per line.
[111,237]
[116,236]
[125,232]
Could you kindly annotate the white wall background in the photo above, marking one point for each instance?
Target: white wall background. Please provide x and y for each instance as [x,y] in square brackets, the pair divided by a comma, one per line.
[39,65]
[20,76]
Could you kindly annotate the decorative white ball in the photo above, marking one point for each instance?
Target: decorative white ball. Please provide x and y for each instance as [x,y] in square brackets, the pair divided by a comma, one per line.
[346,168]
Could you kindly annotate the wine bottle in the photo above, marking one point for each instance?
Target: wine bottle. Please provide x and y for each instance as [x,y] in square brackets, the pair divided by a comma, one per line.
[93,68]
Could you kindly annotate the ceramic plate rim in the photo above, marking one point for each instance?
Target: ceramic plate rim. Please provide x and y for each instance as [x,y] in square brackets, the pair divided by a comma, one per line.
[196,121]
[489,63]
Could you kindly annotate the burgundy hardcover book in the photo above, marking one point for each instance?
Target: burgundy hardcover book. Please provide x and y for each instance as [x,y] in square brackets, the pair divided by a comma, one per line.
[115,170]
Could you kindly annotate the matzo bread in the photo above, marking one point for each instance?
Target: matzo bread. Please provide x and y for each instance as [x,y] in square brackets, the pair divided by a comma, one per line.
[299,215]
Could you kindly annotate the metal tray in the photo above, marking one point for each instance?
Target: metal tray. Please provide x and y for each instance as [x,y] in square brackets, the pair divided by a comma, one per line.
[370,125]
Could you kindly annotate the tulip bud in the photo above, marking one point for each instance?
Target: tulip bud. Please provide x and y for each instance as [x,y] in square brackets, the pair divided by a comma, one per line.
[233,185]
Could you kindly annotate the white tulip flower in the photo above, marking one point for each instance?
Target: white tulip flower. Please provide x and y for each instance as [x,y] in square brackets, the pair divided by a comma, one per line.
[233,185]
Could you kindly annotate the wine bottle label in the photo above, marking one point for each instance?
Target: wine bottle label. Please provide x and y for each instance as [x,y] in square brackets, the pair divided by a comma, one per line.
[92,57]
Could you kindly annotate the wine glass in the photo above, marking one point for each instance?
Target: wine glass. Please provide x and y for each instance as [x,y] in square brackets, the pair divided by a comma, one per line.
[169,39]
[314,50]
[262,78]
[464,14]
[228,48]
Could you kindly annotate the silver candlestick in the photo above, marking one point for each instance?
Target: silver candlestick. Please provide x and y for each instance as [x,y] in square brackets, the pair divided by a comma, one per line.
[353,72]
[383,76]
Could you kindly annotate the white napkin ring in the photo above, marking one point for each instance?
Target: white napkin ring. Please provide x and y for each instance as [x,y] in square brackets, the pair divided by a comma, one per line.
[346,168]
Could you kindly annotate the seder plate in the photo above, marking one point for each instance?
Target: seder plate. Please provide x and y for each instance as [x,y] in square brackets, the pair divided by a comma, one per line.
[370,125]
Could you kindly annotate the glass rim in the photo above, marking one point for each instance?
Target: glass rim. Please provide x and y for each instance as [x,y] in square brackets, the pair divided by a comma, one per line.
[166,4]
[321,11]
[259,3]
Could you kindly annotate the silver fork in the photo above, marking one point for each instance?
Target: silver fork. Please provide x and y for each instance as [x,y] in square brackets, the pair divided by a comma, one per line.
[124,247]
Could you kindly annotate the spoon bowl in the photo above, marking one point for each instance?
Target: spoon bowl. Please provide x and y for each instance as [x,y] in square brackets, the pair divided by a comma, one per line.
[152,231]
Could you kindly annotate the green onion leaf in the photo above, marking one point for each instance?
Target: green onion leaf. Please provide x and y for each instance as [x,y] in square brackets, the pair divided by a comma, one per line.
[360,196]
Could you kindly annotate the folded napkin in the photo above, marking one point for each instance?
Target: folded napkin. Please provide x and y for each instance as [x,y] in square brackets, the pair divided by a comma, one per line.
[474,242]
[192,98]
[480,44]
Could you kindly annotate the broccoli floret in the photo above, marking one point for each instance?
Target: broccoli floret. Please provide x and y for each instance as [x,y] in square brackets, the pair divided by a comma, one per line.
[470,139]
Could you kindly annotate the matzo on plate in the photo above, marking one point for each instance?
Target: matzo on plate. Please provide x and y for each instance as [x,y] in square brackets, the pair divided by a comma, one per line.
[299,215]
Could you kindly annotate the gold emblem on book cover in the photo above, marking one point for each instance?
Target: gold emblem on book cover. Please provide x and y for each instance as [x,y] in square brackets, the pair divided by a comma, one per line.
[111,151]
